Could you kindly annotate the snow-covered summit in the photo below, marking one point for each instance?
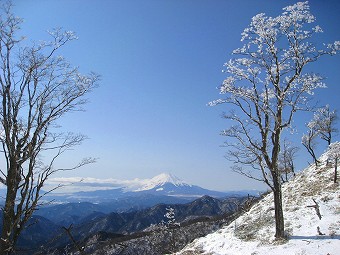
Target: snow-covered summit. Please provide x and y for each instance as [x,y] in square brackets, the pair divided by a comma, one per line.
[160,180]
[253,232]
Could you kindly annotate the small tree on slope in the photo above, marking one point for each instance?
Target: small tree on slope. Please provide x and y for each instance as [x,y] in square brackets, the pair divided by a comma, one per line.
[267,84]
[309,142]
[286,161]
[322,126]
[324,121]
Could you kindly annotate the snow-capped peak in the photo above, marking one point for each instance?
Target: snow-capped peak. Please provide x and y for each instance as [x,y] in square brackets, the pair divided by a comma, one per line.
[160,180]
[167,178]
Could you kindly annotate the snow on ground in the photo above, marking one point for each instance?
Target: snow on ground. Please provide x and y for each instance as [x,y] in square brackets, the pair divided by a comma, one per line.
[253,232]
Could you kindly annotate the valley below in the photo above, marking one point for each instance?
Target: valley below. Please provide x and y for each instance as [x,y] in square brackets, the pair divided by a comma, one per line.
[128,221]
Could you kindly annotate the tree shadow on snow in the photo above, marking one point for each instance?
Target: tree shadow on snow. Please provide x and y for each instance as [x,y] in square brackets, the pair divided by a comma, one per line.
[336,237]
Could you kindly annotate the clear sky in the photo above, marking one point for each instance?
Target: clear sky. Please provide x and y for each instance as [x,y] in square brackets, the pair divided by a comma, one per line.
[160,62]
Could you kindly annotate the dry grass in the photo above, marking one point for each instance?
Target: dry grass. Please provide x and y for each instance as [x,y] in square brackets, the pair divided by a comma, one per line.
[249,230]
[195,252]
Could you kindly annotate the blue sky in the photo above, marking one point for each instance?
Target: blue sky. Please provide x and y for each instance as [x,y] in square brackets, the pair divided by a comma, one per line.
[160,62]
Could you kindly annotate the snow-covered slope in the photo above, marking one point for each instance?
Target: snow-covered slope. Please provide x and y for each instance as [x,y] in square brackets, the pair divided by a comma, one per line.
[253,232]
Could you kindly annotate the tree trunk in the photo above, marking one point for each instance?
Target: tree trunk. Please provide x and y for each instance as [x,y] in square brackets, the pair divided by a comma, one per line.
[336,170]
[6,244]
[279,221]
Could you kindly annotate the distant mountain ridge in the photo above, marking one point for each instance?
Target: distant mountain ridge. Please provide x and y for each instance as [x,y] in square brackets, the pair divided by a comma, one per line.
[161,187]
[90,219]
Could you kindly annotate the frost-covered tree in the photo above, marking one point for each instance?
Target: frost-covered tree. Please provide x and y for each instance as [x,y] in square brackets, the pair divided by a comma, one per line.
[322,126]
[323,122]
[170,219]
[37,88]
[170,225]
[170,216]
[266,84]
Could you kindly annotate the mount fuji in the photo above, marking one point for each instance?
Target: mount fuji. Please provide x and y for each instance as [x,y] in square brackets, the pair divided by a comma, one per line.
[160,180]
[170,185]
[164,188]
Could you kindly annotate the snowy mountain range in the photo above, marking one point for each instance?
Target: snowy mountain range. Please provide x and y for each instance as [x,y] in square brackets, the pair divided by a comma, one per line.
[74,184]
[161,188]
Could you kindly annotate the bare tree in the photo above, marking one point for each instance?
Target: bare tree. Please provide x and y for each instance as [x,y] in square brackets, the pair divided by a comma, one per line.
[286,160]
[266,85]
[37,88]
[309,142]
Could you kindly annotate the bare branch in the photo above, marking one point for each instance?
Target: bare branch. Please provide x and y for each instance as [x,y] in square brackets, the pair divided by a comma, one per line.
[317,208]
